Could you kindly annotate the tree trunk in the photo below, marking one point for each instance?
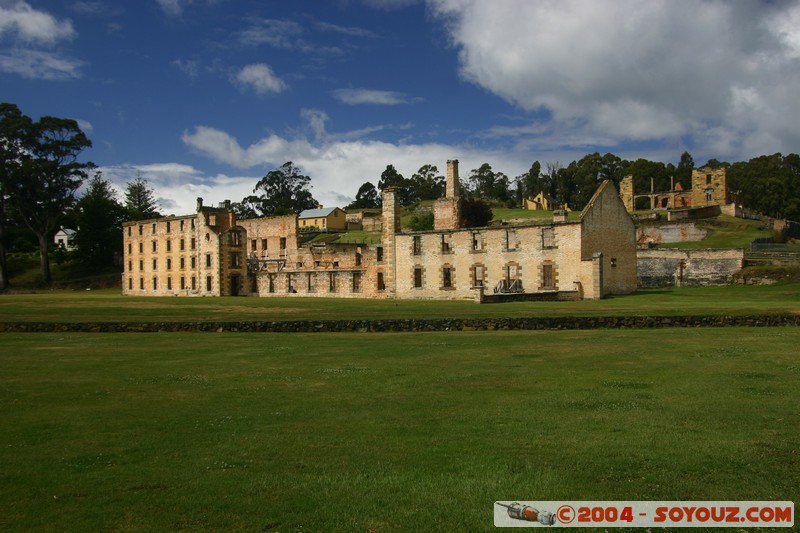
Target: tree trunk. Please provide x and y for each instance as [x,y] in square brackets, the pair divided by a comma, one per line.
[44,260]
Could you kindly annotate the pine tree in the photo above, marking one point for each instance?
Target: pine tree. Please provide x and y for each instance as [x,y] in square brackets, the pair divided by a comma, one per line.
[140,202]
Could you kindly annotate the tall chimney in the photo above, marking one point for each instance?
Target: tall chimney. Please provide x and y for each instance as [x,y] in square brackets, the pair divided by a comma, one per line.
[390,212]
[452,187]
[390,229]
[199,204]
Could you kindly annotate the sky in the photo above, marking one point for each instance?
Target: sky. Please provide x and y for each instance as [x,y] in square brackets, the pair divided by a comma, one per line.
[202,98]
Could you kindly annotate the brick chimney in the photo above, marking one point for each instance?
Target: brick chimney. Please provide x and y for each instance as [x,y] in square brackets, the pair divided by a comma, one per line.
[447,210]
[453,186]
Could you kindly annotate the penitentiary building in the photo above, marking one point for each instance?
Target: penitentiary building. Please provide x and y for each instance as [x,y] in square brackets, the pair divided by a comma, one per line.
[211,253]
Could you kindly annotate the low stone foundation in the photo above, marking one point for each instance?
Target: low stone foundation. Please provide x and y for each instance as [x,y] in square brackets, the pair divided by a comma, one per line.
[409,325]
[554,296]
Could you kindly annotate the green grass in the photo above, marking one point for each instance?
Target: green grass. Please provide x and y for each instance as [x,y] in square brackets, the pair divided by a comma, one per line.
[504,213]
[347,237]
[725,232]
[386,432]
[109,305]
[24,273]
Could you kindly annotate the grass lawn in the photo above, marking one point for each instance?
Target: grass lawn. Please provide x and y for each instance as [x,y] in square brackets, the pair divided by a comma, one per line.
[386,432]
[110,305]
[725,231]
[545,217]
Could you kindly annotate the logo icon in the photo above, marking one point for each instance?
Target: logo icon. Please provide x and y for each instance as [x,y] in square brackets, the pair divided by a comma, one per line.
[527,513]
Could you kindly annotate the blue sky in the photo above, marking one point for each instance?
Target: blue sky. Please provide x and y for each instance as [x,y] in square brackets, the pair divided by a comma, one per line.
[204,97]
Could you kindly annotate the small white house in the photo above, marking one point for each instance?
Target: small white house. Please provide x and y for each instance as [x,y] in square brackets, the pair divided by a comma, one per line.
[64,237]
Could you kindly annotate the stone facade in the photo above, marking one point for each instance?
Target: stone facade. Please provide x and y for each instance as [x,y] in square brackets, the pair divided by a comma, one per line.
[709,187]
[194,255]
[608,240]
[666,267]
[218,255]
[626,193]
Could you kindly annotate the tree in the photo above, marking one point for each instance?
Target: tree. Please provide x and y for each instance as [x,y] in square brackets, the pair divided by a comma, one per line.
[530,181]
[481,181]
[644,170]
[566,184]
[549,177]
[587,174]
[612,167]
[716,164]
[486,183]
[426,184]
[392,178]
[683,172]
[366,197]
[768,184]
[247,208]
[421,222]
[283,191]
[475,213]
[45,185]
[99,217]
[13,124]
[140,201]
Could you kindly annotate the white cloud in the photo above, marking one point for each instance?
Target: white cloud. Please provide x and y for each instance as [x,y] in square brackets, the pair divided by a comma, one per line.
[190,67]
[33,26]
[176,7]
[96,9]
[85,125]
[223,148]
[338,165]
[260,78]
[29,30]
[36,64]
[177,186]
[351,31]
[172,7]
[290,35]
[273,32]
[371,96]
[635,70]
[316,120]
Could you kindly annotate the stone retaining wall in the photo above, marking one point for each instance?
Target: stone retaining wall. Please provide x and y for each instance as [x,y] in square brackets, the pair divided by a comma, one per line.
[669,233]
[442,324]
[667,267]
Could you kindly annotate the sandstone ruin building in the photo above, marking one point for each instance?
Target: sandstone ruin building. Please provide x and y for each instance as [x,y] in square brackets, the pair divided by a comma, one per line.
[211,253]
[709,187]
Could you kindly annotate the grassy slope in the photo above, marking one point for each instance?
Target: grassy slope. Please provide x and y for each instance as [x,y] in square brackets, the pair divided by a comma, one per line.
[503,213]
[386,432]
[725,232]
[25,274]
[109,305]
